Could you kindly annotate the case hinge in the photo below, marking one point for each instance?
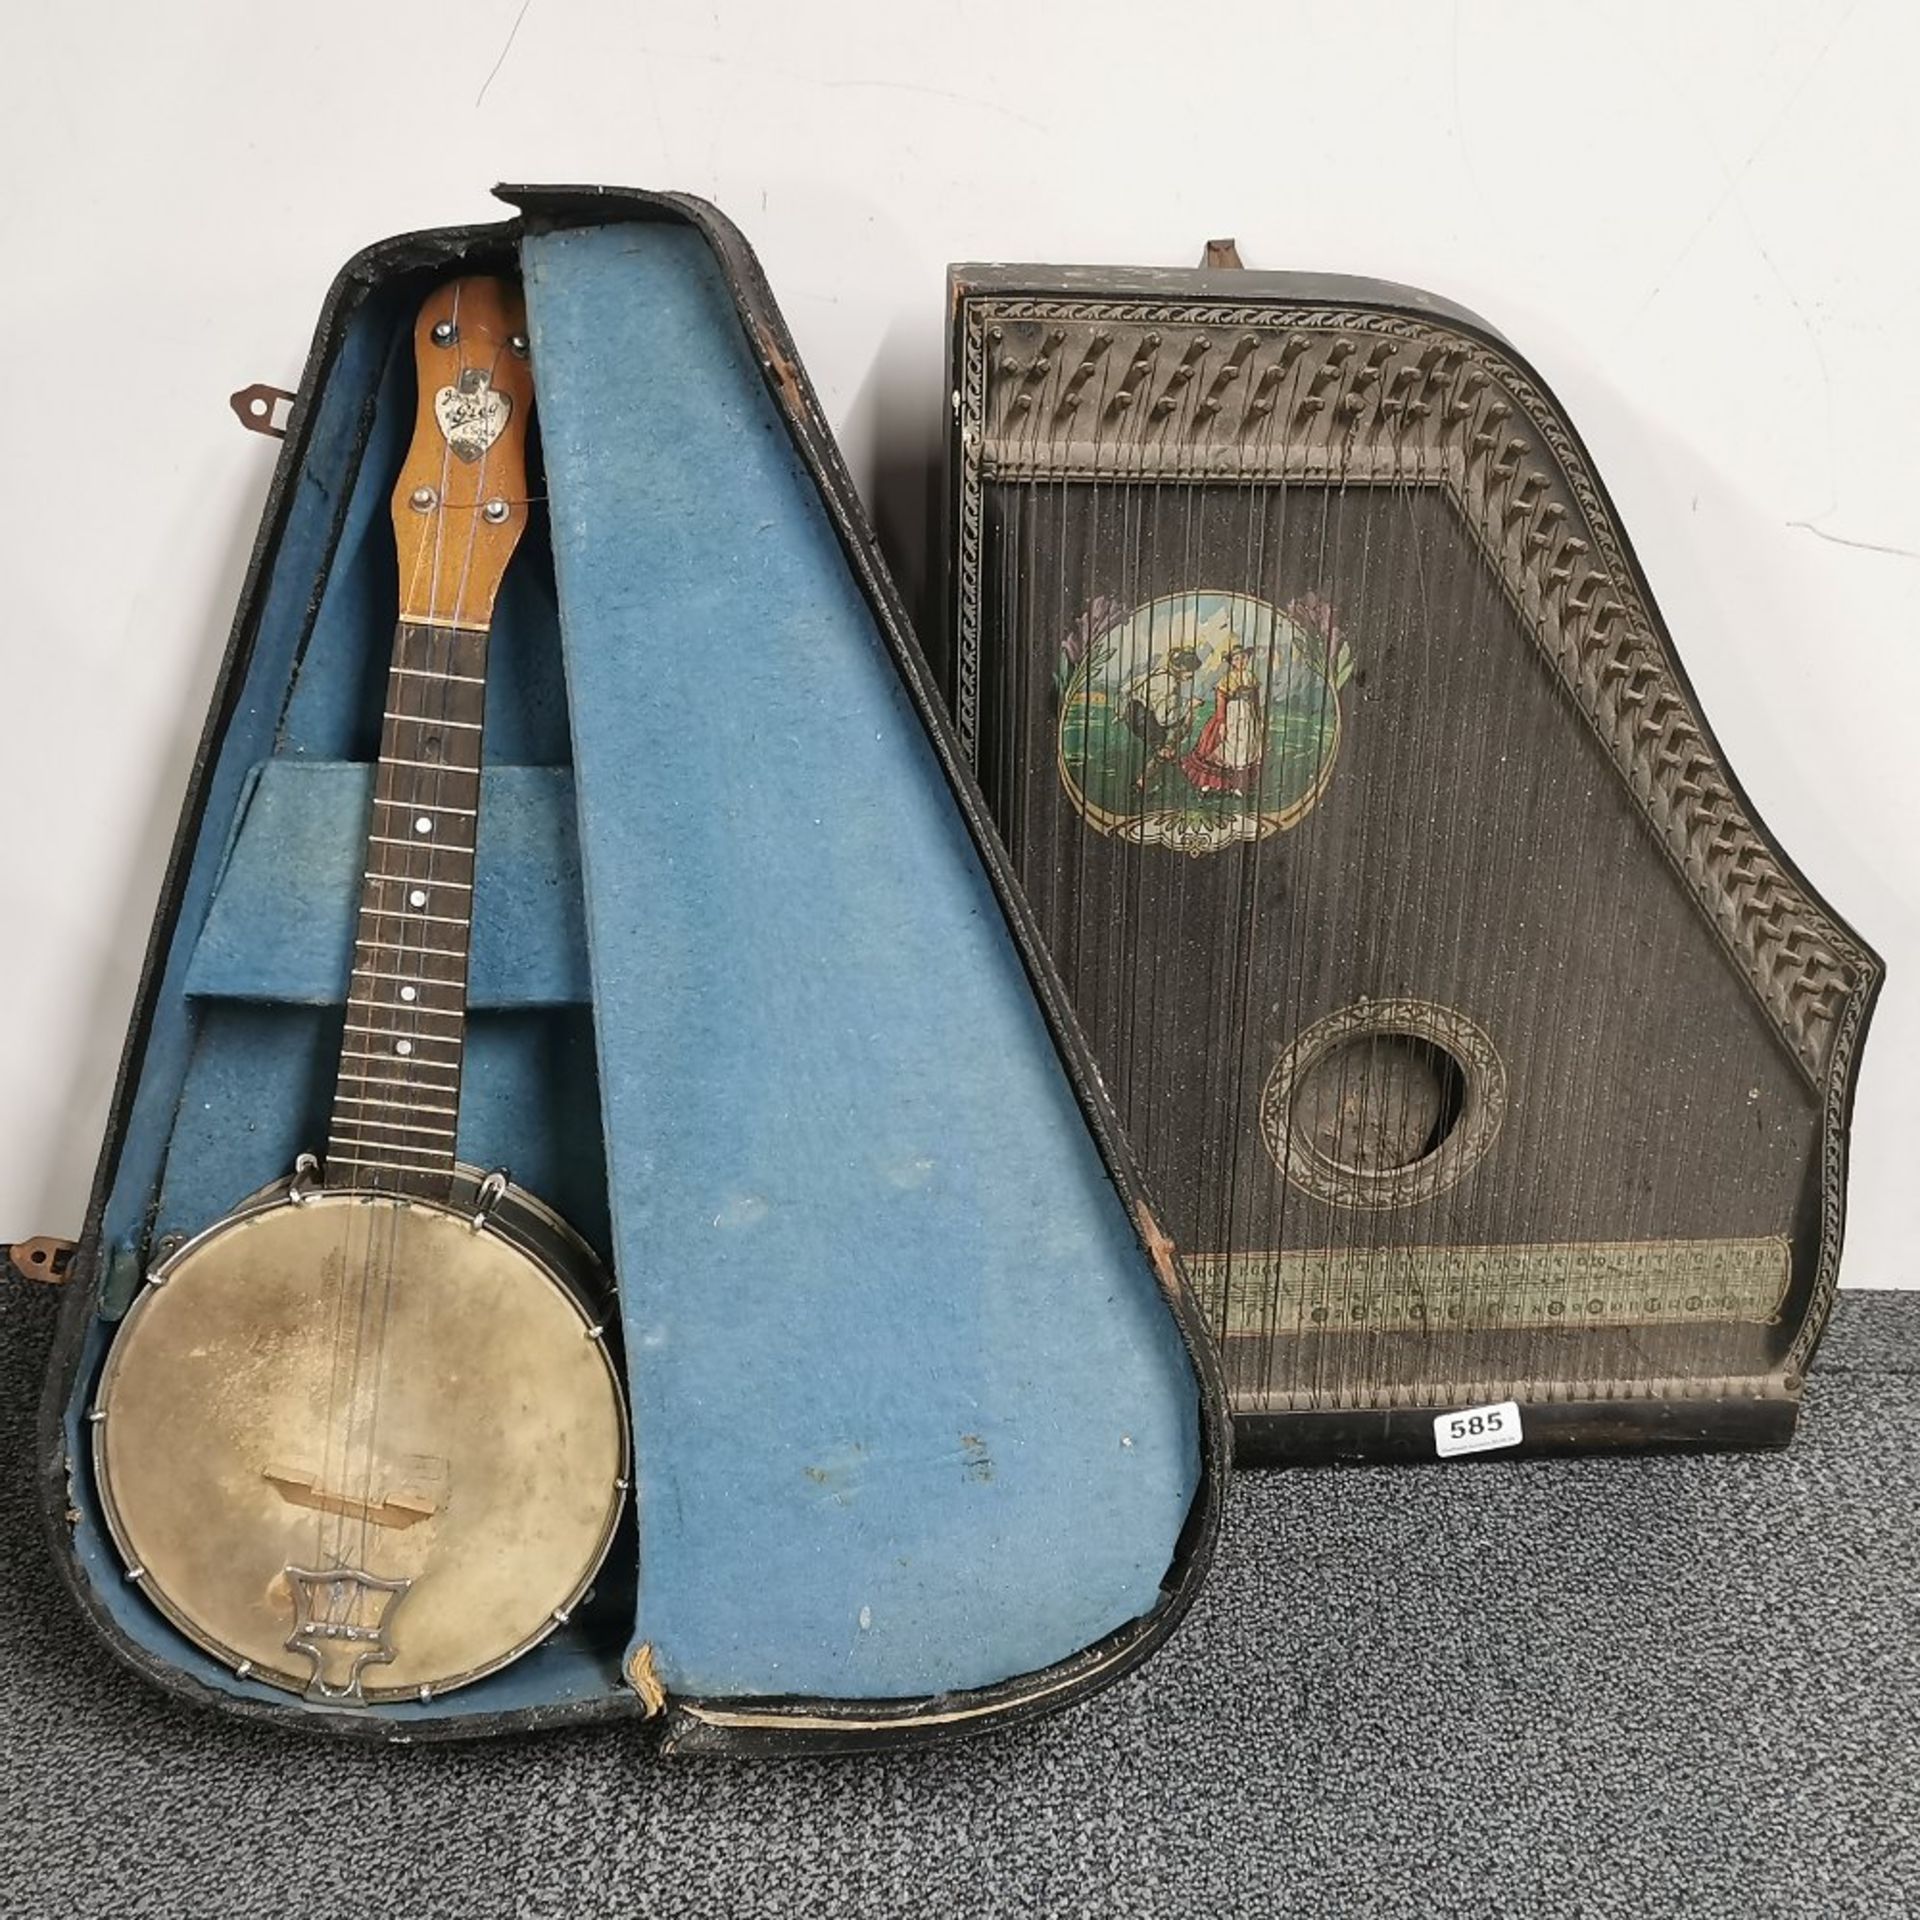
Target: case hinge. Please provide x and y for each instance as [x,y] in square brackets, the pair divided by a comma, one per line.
[262,409]
[43,1258]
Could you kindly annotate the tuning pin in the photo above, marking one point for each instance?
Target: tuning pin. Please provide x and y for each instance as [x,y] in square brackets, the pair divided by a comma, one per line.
[1582,597]
[1509,460]
[1296,345]
[1399,391]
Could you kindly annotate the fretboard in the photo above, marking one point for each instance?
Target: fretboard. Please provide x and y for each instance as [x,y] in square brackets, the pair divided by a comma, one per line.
[396,1105]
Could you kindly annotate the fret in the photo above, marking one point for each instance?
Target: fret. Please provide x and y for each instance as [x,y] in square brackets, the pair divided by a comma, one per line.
[405,1066]
[402,1150]
[409,1008]
[392,1126]
[426,880]
[426,846]
[409,1064]
[411,1039]
[434,683]
[435,720]
[412,880]
[443,1092]
[414,913]
[455,987]
[401,946]
[434,633]
[404,1106]
[423,806]
[432,673]
[360,1156]
[453,778]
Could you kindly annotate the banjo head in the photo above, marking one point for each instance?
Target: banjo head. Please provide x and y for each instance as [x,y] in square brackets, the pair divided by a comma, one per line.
[356,1446]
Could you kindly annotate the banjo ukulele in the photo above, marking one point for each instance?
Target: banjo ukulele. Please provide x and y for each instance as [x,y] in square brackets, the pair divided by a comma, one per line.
[362,1438]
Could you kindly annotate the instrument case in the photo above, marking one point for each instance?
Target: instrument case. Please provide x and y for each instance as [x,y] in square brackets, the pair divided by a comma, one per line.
[927,1434]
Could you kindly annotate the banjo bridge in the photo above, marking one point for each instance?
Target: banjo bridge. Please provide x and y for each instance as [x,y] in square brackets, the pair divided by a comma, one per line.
[406,1508]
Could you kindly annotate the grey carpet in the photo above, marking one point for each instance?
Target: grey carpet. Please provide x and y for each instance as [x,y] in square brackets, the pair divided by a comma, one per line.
[1635,1687]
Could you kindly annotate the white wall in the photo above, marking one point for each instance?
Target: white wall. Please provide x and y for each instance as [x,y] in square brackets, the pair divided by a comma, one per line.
[1699,222]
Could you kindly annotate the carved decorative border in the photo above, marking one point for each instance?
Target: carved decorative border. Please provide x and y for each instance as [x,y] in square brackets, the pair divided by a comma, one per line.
[1135,391]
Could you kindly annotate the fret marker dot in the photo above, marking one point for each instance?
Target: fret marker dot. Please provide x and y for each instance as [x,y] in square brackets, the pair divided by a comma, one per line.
[403,1046]
[417,898]
[423,825]
[407,993]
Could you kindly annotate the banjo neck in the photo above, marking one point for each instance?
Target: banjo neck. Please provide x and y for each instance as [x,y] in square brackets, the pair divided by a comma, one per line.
[459,508]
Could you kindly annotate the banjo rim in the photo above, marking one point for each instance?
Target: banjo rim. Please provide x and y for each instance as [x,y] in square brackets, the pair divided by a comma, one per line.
[519,1219]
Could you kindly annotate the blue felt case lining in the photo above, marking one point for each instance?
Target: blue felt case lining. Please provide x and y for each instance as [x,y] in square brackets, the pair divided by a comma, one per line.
[910,1412]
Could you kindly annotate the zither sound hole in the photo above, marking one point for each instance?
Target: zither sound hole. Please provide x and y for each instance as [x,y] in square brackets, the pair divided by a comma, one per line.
[1379,1102]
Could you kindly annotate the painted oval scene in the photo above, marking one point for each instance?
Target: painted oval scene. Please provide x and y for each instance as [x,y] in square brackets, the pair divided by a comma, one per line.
[1200,720]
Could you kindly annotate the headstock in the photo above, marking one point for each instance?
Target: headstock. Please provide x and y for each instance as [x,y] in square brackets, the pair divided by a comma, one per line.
[461,501]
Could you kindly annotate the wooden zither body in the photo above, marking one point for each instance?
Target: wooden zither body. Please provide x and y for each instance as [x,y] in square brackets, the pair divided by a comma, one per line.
[1477,1040]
